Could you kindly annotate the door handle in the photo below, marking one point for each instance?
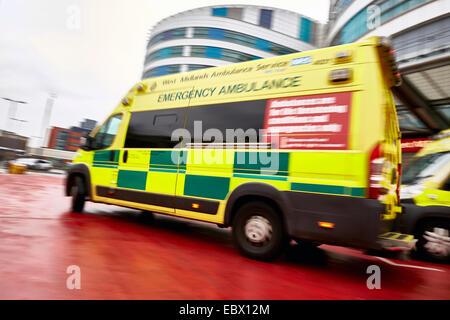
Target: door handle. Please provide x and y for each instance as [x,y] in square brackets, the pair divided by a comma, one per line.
[125,156]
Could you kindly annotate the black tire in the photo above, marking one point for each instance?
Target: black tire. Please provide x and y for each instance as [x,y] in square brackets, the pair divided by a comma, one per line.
[258,213]
[423,253]
[78,193]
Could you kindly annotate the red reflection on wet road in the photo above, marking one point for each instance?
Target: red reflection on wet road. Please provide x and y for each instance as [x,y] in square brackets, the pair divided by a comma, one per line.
[123,255]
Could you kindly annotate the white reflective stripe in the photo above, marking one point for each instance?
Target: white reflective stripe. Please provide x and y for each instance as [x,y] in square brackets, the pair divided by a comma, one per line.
[407,265]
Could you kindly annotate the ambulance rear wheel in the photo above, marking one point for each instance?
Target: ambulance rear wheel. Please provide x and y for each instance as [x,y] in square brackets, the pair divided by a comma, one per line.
[258,231]
[77,192]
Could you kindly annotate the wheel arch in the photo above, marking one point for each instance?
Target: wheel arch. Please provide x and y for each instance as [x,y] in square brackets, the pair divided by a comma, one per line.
[81,170]
[422,221]
[255,191]
[413,216]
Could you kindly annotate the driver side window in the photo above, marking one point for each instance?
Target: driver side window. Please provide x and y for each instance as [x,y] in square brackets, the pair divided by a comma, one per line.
[105,136]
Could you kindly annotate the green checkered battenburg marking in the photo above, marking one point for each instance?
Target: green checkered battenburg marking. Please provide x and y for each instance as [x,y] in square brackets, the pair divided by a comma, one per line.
[206,186]
[102,159]
[132,179]
[183,160]
[261,177]
[162,161]
[249,165]
[261,163]
[328,189]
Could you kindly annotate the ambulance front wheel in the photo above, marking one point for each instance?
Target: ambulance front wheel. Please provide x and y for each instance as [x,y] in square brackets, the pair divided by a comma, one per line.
[77,192]
[433,240]
[258,231]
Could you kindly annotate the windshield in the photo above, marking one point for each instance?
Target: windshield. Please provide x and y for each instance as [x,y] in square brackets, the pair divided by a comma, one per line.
[424,167]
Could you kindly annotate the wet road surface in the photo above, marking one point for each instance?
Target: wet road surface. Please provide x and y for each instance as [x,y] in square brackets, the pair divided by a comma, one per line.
[122,254]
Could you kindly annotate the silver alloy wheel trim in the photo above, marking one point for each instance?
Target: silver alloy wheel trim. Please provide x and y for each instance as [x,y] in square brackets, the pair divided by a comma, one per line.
[258,230]
[437,242]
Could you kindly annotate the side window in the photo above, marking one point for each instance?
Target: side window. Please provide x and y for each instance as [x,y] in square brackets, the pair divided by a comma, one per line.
[111,131]
[247,116]
[105,136]
[153,129]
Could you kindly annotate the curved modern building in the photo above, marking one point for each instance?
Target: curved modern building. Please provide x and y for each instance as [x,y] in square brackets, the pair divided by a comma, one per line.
[217,36]
[420,33]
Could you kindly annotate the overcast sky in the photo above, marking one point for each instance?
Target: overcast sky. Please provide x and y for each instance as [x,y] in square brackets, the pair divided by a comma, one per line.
[87,52]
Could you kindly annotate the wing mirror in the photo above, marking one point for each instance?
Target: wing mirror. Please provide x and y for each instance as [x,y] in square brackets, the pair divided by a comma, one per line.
[87,142]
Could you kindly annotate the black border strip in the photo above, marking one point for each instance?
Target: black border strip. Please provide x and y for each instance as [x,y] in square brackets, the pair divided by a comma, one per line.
[157,199]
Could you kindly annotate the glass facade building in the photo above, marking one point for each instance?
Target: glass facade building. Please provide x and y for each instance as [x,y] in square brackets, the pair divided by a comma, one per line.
[358,25]
[419,31]
[214,36]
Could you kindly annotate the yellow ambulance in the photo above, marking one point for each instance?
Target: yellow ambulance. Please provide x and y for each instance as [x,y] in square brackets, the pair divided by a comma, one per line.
[425,195]
[304,146]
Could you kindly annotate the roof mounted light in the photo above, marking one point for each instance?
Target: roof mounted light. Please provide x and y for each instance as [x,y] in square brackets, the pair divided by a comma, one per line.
[387,56]
[385,41]
[127,101]
[398,79]
[340,75]
[141,87]
[343,56]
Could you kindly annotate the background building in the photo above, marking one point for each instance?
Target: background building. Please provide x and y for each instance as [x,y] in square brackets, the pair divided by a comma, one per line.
[216,36]
[11,145]
[69,139]
[88,124]
[420,33]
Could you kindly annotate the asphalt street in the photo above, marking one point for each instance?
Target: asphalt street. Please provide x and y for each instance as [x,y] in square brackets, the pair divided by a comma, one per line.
[121,253]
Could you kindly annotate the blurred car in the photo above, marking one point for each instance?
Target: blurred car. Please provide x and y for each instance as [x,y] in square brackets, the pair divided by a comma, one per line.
[425,197]
[34,164]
